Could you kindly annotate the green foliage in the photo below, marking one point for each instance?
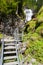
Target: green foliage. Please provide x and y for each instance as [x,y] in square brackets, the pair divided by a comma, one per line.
[40,29]
[39,4]
[1,35]
[27,36]
[35,48]
[30,4]
[8,6]
[40,21]
[34,36]
[35,63]
[31,25]
[40,15]
[20,57]
[3,6]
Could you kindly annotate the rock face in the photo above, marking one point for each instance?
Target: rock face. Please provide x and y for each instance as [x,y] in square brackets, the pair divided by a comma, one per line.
[1,27]
[9,24]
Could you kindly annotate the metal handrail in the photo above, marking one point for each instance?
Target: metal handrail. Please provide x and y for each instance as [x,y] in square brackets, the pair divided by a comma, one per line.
[18,36]
[2,50]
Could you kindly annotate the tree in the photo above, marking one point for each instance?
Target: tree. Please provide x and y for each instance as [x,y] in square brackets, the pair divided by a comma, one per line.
[39,4]
[7,9]
[30,4]
[8,6]
[20,5]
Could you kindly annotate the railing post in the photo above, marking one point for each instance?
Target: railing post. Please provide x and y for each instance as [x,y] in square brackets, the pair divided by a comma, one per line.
[2,50]
[18,37]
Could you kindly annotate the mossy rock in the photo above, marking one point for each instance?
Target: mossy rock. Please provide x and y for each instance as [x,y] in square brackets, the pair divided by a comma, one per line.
[41,10]
[36,50]
[32,36]
[30,26]
[35,36]
[27,36]
[20,57]
[40,30]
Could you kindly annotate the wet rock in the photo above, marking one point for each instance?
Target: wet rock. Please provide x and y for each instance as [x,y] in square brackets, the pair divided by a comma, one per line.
[33,60]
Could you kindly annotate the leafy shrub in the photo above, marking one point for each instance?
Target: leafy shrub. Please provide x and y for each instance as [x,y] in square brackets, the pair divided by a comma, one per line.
[40,30]
[1,35]
[30,26]
[35,48]
[40,14]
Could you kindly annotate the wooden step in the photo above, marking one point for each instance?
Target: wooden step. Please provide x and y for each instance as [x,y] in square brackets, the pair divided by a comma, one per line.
[8,40]
[10,57]
[9,44]
[10,47]
[11,63]
[10,52]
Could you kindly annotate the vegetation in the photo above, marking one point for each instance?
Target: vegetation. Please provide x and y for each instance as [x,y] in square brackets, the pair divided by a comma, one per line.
[34,34]
[8,6]
[1,35]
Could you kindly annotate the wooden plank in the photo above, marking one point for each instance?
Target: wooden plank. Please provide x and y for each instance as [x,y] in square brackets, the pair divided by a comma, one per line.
[9,44]
[10,40]
[11,63]
[10,57]
[10,52]
[10,47]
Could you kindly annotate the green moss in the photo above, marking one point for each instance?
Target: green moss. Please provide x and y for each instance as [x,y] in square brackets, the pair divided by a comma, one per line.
[35,63]
[34,36]
[40,15]
[40,29]
[31,23]
[35,49]
[31,26]
[41,10]
[20,57]
[28,59]
[12,60]
[1,35]
[27,36]
[0,47]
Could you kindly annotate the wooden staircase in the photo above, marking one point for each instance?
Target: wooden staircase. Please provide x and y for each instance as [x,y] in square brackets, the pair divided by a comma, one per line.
[10,53]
